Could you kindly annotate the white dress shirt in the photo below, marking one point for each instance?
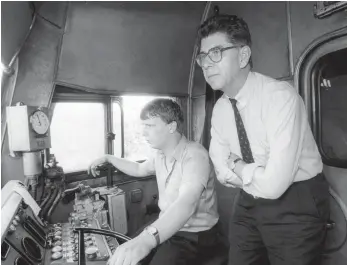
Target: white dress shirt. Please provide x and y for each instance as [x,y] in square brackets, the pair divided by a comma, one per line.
[280,137]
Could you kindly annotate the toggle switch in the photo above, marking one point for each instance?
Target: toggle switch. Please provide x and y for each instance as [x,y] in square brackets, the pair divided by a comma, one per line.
[136,195]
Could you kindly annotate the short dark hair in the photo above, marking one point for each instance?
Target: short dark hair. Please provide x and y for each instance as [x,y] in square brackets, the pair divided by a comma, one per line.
[233,26]
[166,109]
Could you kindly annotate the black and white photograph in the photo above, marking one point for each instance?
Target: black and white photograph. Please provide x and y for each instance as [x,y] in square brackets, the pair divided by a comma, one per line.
[173,132]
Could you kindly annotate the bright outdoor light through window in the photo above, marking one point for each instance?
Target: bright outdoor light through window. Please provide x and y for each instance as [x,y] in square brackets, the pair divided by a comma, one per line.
[78,134]
[135,145]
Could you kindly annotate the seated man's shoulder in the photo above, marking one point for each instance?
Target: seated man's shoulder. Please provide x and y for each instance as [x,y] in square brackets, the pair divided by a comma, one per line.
[197,150]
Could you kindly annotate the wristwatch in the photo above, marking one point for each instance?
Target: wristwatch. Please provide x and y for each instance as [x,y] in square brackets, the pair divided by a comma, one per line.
[233,164]
[154,232]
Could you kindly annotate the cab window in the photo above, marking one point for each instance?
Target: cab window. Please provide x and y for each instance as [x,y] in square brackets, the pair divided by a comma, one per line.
[332,108]
[85,127]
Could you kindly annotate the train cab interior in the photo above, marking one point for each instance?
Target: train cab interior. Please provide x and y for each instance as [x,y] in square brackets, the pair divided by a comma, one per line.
[82,72]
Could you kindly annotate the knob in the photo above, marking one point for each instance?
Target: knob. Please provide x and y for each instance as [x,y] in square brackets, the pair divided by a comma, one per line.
[11,229]
[57,255]
[57,238]
[17,218]
[57,243]
[15,223]
[57,249]
[89,243]
[91,252]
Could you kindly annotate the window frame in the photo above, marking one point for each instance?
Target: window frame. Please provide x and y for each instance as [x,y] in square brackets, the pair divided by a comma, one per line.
[119,101]
[85,98]
[317,117]
[306,83]
[108,101]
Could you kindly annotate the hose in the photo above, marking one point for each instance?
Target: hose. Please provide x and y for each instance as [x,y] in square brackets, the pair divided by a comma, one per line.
[47,198]
[45,209]
[55,203]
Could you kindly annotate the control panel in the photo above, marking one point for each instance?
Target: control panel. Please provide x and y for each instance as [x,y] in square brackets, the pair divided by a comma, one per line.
[28,242]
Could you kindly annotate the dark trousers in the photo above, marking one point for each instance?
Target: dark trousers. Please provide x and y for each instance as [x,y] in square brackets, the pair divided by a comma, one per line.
[289,230]
[186,248]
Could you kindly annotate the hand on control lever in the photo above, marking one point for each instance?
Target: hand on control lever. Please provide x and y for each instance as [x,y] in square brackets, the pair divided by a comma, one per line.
[93,168]
[133,251]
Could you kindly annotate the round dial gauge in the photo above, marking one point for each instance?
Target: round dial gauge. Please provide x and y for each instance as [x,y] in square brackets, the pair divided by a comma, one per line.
[39,122]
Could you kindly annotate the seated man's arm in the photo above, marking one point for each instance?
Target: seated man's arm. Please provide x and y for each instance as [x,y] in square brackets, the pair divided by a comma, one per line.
[128,167]
[178,214]
[196,171]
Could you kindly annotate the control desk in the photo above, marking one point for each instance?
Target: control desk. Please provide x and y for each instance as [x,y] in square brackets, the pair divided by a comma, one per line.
[28,242]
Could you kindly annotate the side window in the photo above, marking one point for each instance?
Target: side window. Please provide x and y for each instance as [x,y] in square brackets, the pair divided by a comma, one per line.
[332,106]
[78,134]
[135,145]
[82,131]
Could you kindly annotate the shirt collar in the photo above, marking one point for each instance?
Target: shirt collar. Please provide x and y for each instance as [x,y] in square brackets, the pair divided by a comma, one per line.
[243,96]
[181,146]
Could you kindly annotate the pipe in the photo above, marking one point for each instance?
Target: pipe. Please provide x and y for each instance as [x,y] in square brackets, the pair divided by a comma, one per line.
[45,209]
[55,203]
[46,198]
[192,71]
[290,39]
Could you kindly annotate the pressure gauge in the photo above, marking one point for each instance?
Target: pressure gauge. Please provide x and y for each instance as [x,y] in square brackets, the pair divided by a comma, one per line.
[39,122]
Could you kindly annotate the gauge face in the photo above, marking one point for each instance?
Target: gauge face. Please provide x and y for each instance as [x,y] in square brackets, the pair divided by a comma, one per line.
[39,122]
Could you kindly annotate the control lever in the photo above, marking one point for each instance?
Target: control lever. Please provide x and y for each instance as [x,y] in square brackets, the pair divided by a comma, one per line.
[69,194]
[107,169]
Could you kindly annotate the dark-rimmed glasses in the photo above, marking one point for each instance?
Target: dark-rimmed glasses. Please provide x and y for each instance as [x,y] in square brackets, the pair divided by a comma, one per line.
[215,54]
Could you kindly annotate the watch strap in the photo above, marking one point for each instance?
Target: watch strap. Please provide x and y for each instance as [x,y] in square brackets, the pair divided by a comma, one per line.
[154,232]
[237,160]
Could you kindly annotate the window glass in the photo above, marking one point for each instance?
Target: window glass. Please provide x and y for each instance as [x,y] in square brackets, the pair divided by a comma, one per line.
[77,134]
[333,98]
[135,145]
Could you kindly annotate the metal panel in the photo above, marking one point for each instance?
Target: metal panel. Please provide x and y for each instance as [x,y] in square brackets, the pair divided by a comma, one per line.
[267,22]
[127,50]
[15,22]
[54,12]
[306,28]
[37,62]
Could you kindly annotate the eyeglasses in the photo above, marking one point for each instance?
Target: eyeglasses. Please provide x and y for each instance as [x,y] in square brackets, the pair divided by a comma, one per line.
[215,55]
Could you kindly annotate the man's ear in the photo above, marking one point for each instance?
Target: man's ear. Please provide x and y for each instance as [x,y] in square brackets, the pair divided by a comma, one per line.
[244,56]
[173,127]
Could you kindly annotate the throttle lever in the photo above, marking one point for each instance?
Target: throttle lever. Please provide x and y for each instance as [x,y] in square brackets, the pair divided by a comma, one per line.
[108,170]
[69,194]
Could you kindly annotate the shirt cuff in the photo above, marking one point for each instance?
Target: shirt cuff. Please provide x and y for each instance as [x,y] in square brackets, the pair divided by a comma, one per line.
[248,173]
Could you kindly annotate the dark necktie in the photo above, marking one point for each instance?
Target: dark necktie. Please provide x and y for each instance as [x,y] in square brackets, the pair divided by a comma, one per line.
[241,132]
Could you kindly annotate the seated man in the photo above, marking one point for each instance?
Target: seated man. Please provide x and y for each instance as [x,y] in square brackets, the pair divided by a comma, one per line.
[185,229]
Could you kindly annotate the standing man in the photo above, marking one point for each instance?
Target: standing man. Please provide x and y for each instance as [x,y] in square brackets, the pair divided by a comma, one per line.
[262,143]
[185,228]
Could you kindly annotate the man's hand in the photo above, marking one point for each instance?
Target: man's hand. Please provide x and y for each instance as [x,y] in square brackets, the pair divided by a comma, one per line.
[133,251]
[233,181]
[92,167]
